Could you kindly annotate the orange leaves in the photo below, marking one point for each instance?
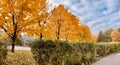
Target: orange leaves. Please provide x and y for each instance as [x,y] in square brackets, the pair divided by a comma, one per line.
[84,33]
[115,36]
[17,16]
[31,17]
[61,23]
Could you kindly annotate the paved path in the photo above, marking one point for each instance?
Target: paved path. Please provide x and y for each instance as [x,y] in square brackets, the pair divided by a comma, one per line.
[113,59]
[20,48]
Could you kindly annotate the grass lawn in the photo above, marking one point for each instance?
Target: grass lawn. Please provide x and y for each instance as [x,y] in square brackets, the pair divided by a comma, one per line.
[20,58]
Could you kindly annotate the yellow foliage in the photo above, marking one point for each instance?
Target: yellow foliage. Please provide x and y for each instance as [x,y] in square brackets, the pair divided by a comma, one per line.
[31,17]
[16,16]
[63,24]
[84,33]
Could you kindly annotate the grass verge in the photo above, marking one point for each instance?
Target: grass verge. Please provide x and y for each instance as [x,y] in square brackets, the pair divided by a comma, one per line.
[20,58]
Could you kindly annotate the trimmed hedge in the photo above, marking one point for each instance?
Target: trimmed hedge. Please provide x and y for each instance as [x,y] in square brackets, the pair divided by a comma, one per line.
[3,53]
[104,49]
[65,53]
[50,52]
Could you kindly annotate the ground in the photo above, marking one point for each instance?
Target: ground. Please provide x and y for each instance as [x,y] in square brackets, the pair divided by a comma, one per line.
[20,58]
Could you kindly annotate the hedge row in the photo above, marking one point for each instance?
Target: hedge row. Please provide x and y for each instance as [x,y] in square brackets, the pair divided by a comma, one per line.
[65,53]
[3,53]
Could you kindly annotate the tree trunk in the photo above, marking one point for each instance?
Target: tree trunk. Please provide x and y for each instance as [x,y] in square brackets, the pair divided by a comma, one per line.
[58,32]
[58,35]
[13,46]
[59,28]
[41,36]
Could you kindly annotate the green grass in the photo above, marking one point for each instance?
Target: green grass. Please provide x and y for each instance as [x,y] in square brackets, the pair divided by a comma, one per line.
[20,58]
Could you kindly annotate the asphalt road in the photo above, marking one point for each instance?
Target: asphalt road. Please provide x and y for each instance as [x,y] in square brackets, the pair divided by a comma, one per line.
[113,59]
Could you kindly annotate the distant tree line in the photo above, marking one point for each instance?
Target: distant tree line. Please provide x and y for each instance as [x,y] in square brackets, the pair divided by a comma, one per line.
[110,35]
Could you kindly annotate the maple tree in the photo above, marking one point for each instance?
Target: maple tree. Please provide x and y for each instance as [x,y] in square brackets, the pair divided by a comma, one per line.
[115,36]
[63,24]
[100,36]
[39,27]
[17,15]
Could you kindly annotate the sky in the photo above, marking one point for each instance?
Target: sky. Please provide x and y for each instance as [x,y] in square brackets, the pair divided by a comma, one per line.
[97,14]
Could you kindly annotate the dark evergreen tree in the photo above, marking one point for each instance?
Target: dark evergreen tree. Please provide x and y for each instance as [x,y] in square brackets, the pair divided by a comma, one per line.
[100,37]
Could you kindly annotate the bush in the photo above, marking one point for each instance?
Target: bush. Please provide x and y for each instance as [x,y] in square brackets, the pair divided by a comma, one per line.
[51,52]
[104,49]
[3,53]
[65,53]
[83,54]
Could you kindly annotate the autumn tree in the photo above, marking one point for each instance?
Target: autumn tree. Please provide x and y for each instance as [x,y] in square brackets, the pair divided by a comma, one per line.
[40,28]
[63,23]
[115,36]
[17,15]
[56,20]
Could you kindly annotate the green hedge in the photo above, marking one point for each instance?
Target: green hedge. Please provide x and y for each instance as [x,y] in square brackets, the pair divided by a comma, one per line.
[104,49]
[3,53]
[65,53]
